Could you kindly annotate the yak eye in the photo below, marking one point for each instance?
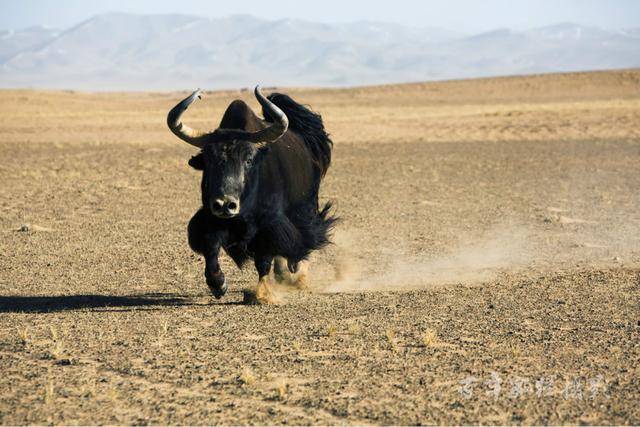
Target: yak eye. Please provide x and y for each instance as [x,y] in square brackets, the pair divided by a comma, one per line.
[248,161]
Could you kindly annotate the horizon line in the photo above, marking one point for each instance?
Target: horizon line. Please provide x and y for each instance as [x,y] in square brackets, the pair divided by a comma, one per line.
[330,23]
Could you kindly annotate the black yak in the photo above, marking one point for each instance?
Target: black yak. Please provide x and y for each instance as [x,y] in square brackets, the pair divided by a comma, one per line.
[260,184]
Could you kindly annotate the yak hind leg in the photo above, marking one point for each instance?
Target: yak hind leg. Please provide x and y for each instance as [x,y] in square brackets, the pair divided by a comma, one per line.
[280,271]
[302,276]
[299,279]
[263,292]
[295,275]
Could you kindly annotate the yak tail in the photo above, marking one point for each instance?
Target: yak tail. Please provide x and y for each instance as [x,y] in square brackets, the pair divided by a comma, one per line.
[308,125]
[306,232]
[320,230]
[316,233]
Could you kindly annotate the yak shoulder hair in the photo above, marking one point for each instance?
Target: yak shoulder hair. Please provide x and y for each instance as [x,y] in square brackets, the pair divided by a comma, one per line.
[308,125]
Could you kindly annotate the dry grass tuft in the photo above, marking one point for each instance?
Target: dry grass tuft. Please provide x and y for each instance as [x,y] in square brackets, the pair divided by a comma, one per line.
[49,391]
[331,330]
[49,398]
[247,377]
[430,338]
[57,348]
[390,334]
[515,351]
[354,329]
[23,334]
[162,333]
[281,388]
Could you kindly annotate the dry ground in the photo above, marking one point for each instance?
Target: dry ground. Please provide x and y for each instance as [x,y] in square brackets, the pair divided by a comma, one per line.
[487,268]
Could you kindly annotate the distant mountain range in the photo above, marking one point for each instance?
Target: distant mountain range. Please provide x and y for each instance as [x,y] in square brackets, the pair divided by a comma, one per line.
[118,51]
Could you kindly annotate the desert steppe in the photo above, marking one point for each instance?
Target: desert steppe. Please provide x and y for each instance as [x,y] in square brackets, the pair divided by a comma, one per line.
[486,269]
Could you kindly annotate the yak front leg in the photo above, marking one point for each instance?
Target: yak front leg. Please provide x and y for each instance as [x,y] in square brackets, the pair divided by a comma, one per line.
[212,272]
[207,242]
[263,293]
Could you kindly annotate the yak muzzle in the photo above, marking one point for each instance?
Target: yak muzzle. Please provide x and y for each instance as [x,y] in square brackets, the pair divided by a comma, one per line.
[225,207]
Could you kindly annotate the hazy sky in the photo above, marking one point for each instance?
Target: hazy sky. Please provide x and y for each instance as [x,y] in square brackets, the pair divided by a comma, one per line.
[460,15]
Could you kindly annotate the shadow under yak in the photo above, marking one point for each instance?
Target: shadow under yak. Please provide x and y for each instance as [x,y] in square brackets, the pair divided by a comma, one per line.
[46,304]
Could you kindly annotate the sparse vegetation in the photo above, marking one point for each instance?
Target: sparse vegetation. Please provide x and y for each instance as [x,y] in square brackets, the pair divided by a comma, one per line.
[247,377]
[390,335]
[49,391]
[515,351]
[430,338]
[281,388]
[23,334]
[162,335]
[331,330]
[354,329]
[56,350]
[153,347]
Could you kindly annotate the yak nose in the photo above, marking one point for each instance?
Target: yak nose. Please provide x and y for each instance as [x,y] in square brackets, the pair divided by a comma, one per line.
[227,205]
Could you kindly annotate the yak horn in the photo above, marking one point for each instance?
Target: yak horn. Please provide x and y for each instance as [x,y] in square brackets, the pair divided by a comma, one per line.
[280,120]
[196,138]
[182,131]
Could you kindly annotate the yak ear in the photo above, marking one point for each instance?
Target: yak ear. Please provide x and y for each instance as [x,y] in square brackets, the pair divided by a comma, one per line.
[197,162]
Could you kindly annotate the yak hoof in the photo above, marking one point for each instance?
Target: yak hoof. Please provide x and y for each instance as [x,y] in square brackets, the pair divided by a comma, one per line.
[301,282]
[219,292]
[262,294]
[293,266]
[216,284]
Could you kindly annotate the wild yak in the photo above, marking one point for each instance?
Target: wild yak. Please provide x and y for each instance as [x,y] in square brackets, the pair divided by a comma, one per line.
[260,184]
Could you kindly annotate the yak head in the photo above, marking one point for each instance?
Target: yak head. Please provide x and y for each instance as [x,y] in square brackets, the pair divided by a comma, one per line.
[228,157]
[227,169]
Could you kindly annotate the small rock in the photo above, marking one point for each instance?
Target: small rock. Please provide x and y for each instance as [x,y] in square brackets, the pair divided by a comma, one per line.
[24,228]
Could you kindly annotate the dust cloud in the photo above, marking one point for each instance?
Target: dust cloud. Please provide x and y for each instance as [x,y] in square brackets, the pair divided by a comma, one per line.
[502,248]
[555,242]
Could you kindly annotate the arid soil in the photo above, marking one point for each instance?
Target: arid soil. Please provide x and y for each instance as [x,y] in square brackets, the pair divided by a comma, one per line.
[486,269]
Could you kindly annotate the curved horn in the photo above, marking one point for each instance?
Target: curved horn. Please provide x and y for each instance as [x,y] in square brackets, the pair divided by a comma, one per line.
[182,131]
[198,139]
[280,120]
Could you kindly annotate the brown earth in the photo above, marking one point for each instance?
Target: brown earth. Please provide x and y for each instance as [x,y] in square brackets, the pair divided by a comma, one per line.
[487,268]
